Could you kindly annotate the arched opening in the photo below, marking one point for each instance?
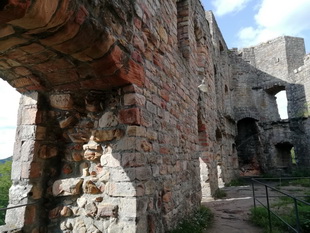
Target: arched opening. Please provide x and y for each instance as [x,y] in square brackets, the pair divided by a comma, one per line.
[248,144]
[9,99]
[203,160]
[282,104]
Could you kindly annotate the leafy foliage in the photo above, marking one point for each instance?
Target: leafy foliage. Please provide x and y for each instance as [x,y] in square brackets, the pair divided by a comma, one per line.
[259,216]
[5,184]
[199,221]
[304,212]
[219,194]
[236,182]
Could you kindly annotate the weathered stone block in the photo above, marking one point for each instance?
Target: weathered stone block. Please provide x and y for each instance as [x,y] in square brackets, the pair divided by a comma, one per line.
[79,137]
[143,173]
[66,211]
[112,62]
[39,15]
[61,101]
[107,210]
[133,160]
[55,213]
[133,73]
[9,43]
[31,170]
[130,116]
[48,151]
[107,135]
[121,189]
[109,159]
[67,169]
[31,116]
[90,188]
[91,209]
[136,131]
[108,119]
[67,187]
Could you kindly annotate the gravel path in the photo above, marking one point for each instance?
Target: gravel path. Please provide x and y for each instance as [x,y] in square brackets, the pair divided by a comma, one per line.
[231,215]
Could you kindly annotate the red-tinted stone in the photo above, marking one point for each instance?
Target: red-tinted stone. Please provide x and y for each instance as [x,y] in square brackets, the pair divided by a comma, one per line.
[14,9]
[55,213]
[38,15]
[133,73]
[30,215]
[67,169]
[81,15]
[109,64]
[130,116]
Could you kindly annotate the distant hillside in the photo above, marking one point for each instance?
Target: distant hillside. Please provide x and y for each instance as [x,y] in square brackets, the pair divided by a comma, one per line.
[4,160]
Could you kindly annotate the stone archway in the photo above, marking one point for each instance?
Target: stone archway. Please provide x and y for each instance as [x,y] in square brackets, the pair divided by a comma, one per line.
[58,54]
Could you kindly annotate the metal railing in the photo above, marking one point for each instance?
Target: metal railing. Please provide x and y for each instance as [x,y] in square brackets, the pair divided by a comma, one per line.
[18,206]
[265,200]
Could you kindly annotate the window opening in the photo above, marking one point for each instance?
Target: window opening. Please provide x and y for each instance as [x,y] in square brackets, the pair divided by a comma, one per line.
[282,104]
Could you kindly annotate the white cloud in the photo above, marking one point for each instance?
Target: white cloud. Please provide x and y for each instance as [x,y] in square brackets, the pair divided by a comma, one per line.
[276,18]
[223,7]
[9,99]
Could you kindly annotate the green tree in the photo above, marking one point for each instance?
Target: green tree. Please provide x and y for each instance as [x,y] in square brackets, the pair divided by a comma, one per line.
[5,184]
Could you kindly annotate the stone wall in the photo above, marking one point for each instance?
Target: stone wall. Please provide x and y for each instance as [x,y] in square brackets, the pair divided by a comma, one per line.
[121,116]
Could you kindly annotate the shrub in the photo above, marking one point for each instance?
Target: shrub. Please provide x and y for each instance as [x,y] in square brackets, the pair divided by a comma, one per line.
[219,194]
[236,182]
[199,221]
[5,184]
[304,217]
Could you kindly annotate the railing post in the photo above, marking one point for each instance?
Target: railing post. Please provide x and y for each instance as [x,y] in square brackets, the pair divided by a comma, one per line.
[297,215]
[253,190]
[268,206]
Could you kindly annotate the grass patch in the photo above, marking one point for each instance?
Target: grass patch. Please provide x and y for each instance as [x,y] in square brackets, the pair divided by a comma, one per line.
[301,182]
[236,182]
[199,221]
[219,194]
[297,182]
[259,217]
[301,173]
[283,201]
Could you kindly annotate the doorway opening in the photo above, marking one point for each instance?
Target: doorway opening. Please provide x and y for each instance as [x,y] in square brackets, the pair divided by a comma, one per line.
[248,147]
[285,156]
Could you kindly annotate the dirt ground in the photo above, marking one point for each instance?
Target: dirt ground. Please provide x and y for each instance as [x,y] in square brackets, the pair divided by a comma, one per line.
[231,215]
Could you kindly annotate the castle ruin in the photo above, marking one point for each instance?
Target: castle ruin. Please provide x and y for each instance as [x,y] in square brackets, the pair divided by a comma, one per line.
[113,133]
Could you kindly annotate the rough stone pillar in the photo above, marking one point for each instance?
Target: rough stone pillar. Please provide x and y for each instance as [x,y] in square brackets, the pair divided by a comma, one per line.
[27,172]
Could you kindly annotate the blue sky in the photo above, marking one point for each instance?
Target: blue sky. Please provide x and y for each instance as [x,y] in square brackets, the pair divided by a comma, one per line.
[9,99]
[246,23]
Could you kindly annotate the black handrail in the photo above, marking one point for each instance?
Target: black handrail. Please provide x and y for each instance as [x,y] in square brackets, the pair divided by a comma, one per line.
[18,206]
[267,196]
